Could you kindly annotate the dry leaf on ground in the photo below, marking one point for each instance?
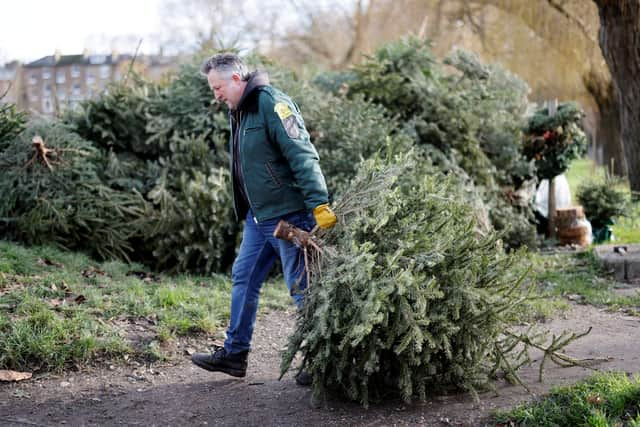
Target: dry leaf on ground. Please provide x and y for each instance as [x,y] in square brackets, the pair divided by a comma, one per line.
[6,375]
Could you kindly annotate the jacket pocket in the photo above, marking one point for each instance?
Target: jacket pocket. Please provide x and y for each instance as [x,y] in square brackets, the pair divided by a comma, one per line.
[273,174]
[253,129]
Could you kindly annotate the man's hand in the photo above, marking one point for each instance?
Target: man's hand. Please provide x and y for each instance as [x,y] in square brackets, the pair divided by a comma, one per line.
[324,216]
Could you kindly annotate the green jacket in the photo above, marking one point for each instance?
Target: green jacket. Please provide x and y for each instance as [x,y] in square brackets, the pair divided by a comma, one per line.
[275,169]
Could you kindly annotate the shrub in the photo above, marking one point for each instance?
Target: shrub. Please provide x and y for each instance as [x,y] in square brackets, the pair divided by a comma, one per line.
[554,141]
[603,201]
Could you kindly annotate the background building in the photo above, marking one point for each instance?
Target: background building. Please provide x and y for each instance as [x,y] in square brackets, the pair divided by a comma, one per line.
[57,82]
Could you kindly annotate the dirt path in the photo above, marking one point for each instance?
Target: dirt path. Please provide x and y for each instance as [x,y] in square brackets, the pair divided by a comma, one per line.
[182,394]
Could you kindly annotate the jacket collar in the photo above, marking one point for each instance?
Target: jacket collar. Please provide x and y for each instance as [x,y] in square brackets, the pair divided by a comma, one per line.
[256,80]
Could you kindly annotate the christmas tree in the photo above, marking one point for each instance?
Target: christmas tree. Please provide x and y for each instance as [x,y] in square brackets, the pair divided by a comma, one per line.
[52,193]
[468,122]
[406,293]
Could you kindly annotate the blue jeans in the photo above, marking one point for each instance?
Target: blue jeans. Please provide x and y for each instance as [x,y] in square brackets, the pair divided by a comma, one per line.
[258,252]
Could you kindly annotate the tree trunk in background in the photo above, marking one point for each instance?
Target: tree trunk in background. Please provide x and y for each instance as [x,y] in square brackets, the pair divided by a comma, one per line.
[620,43]
[608,137]
[608,127]
[361,18]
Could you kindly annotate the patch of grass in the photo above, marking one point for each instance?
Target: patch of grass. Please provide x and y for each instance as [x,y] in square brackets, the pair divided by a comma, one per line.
[61,307]
[153,352]
[39,338]
[275,295]
[580,277]
[606,399]
[543,308]
[582,170]
[627,228]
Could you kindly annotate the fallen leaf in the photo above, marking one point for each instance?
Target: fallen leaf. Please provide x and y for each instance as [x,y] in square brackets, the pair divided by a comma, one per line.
[48,262]
[6,375]
[65,288]
[80,299]
[144,276]
[189,351]
[56,302]
[93,272]
[595,399]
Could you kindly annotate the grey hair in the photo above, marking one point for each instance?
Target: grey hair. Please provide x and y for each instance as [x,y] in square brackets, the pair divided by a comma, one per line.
[226,64]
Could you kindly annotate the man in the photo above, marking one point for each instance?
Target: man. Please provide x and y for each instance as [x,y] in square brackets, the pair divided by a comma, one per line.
[275,175]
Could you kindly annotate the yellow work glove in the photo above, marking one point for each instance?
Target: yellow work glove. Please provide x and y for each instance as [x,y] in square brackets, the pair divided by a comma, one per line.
[324,216]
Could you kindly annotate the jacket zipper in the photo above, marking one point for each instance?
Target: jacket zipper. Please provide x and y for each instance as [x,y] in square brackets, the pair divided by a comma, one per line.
[244,184]
[234,119]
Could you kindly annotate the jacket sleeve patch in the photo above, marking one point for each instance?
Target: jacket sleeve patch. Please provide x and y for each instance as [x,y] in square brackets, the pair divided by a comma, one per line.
[291,126]
[283,110]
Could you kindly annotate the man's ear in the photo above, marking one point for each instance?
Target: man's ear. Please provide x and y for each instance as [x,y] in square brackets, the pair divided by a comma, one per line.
[236,77]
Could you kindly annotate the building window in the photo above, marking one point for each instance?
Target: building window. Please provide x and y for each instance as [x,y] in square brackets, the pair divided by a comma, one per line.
[46,89]
[33,79]
[47,105]
[46,73]
[105,71]
[75,71]
[77,90]
[60,77]
[33,96]
[91,78]
[62,95]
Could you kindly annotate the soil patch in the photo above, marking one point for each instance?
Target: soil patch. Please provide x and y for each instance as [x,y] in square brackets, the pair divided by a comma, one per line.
[179,393]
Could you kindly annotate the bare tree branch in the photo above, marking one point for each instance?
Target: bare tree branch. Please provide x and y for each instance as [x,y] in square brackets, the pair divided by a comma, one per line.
[361,23]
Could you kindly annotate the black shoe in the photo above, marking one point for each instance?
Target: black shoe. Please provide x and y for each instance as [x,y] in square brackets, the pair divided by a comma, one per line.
[234,364]
[304,378]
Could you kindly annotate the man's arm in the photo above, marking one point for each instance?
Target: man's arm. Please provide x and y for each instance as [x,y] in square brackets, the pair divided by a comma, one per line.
[285,128]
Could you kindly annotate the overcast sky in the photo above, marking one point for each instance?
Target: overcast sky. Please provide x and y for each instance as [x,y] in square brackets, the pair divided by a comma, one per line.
[30,29]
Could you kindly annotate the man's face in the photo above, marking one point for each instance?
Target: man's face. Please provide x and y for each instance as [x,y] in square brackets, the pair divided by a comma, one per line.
[227,90]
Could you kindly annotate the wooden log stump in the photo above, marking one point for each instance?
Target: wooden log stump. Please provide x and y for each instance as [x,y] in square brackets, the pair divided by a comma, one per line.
[572,229]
